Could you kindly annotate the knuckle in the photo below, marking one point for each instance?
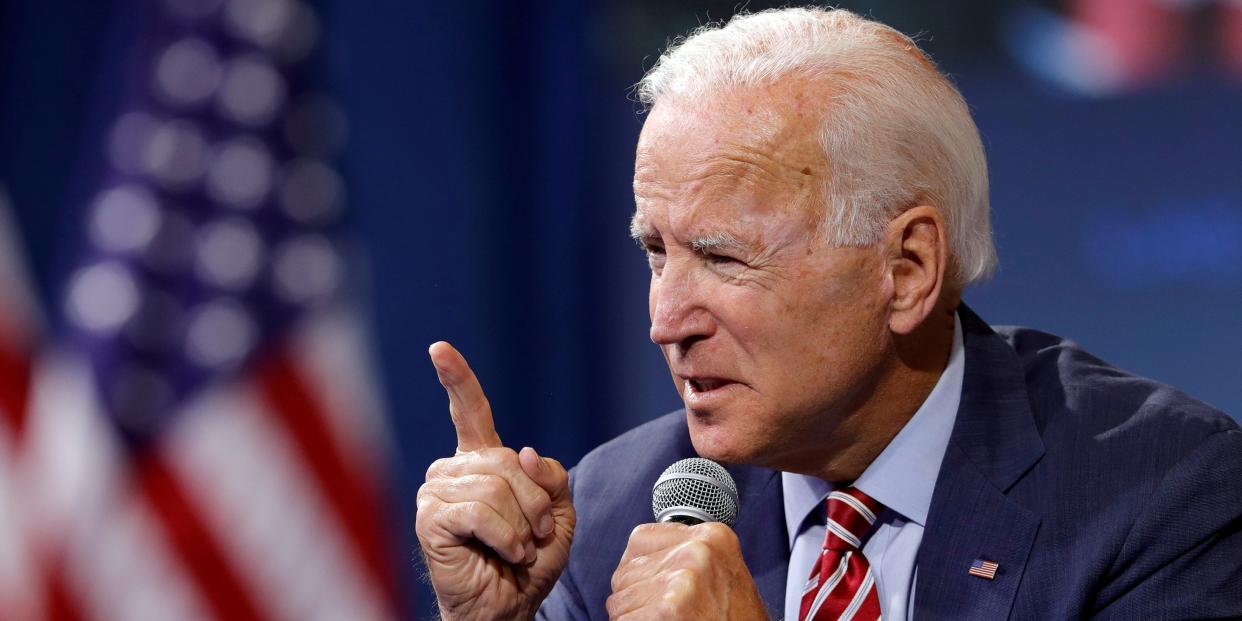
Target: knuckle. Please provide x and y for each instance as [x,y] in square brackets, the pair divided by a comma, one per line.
[716,534]
[696,555]
[710,531]
[421,524]
[617,604]
[424,499]
[437,467]
[642,531]
[538,502]
[509,538]
[681,584]
[503,458]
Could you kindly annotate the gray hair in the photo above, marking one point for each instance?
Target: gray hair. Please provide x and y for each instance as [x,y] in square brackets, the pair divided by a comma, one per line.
[899,132]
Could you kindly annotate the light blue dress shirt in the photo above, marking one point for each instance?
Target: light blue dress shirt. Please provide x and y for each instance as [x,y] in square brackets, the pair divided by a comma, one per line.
[902,477]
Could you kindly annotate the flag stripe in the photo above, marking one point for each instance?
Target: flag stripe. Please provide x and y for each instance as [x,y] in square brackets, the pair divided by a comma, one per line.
[120,569]
[330,353]
[271,520]
[15,373]
[352,496]
[60,603]
[195,545]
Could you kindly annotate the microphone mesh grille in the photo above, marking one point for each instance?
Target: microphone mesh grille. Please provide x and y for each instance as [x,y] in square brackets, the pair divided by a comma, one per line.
[716,496]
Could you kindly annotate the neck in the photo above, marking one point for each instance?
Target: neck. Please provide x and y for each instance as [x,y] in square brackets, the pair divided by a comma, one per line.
[901,386]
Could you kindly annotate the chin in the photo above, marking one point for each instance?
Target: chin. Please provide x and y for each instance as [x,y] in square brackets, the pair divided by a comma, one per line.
[718,442]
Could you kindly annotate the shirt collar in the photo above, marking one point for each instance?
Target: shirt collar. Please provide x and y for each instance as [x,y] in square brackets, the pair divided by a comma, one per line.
[904,474]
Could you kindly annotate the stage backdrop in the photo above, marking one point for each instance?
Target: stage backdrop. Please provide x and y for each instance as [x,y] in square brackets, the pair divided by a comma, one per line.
[489,160]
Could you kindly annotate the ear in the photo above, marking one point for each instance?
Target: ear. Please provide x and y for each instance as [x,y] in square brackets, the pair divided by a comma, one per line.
[918,256]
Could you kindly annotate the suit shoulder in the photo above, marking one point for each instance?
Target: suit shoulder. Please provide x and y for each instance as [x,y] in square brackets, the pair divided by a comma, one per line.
[1071,388]
[642,446]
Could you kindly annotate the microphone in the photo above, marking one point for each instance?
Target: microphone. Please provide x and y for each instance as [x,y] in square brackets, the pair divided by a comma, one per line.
[693,491]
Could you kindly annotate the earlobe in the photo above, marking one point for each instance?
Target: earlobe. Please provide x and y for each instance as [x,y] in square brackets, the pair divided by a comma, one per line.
[918,258]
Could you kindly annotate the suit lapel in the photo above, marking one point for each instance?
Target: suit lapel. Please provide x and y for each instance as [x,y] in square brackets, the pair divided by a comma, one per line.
[970,519]
[994,443]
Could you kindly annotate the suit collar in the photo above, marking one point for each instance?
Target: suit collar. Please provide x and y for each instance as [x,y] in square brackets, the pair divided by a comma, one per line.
[994,443]
[994,428]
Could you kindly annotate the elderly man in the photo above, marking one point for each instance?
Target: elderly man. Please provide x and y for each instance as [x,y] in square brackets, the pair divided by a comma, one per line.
[812,197]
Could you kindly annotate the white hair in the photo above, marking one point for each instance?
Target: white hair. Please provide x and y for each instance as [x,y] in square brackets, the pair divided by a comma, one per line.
[896,132]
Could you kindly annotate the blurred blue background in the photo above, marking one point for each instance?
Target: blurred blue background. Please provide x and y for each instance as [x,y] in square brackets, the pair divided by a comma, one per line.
[489,161]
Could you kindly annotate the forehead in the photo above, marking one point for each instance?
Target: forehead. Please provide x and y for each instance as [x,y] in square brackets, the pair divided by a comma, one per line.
[778,121]
[744,154]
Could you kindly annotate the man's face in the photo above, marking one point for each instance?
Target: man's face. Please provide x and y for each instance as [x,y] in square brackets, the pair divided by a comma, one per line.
[773,337]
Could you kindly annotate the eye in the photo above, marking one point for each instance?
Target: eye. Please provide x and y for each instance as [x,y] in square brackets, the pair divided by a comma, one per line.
[719,259]
[655,255]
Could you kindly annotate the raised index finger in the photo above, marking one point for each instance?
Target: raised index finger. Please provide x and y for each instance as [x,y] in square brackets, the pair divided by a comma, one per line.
[472,416]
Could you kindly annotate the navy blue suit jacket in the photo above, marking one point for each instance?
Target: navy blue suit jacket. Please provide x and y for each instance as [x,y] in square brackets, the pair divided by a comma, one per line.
[1100,494]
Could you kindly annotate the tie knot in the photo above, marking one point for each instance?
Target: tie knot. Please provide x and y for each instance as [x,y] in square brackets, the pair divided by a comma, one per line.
[850,515]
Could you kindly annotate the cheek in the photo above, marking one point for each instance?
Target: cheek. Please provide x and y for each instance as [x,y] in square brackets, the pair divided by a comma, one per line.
[823,327]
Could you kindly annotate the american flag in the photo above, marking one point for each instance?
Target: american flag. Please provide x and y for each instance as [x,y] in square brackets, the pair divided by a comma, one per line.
[201,438]
[983,569]
[18,327]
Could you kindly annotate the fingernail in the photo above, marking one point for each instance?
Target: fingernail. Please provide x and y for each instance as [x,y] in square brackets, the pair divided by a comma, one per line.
[545,526]
[530,552]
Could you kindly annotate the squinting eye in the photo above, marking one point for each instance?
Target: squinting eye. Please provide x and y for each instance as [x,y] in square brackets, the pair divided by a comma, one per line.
[720,259]
[655,257]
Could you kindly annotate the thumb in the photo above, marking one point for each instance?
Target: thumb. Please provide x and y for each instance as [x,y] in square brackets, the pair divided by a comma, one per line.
[547,473]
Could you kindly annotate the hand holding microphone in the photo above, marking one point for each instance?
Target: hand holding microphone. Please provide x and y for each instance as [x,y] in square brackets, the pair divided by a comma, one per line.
[689,564]
[495,525]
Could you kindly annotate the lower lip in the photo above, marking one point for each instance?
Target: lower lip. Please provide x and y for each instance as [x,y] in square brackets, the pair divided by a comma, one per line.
[707,399]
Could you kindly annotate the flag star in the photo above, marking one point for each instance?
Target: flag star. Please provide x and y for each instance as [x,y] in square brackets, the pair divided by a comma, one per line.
[241,174]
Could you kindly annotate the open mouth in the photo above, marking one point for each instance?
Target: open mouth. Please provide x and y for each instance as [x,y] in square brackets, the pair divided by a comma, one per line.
[706,384]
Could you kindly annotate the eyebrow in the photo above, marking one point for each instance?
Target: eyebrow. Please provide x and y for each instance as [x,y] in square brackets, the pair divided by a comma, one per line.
[716,241]
[706,243]
[639,231]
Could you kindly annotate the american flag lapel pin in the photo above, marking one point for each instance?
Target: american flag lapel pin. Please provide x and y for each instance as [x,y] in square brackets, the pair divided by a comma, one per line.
[983,568]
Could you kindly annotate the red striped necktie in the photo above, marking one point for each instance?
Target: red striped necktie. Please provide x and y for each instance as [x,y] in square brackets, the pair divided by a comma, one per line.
[841,586]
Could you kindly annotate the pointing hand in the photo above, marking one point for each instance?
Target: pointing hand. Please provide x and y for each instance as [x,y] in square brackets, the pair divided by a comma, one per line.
[494,525]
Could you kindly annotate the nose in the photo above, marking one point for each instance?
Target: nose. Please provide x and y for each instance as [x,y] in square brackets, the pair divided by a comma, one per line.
[678,308]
